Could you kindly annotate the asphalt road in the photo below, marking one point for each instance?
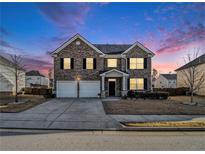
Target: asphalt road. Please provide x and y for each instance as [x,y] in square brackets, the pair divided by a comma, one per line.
[100,140]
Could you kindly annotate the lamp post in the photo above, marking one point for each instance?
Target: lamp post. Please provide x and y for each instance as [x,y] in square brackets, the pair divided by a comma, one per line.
[78,87]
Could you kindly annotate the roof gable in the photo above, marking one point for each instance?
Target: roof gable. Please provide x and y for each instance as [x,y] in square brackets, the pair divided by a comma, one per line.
[114,71]
[169,76]
[197,61]
[140,46]
[73,39]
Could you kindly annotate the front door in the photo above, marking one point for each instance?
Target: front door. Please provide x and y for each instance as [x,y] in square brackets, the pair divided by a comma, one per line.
[111,88]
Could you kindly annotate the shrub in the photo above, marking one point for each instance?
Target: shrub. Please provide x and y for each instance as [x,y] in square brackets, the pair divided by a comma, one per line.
[173,91]
[149,95]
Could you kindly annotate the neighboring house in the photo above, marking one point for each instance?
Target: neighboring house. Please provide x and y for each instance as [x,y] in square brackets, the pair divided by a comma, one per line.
[200,63]
[83,69]
[35,79]
[166,81]
[7,77]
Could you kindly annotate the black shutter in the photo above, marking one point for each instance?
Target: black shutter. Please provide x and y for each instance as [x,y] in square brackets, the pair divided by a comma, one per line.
[61,63]
[72,63]
[128,63]
[145,83]
[128,84]
[94,63]
[145,63]
[84,63]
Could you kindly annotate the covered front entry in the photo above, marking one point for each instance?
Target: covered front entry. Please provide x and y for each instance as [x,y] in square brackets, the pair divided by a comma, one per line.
[113,83]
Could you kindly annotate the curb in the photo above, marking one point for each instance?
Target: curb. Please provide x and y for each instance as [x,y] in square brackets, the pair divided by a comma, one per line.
[119,129]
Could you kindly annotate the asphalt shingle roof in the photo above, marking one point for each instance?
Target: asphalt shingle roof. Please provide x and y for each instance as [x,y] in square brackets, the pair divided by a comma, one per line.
[170,76]
[197,61]
[34,73]
[112,48]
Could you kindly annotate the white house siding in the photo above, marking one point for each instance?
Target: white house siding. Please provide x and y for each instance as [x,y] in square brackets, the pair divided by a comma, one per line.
[39,80]
[162,82]
[7,72]
[180,82]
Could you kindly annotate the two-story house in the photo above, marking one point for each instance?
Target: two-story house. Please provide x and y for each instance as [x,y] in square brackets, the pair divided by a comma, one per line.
[166,81]
[83,69]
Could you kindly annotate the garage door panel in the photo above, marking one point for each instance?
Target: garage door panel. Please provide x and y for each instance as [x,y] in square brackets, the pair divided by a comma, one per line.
[66,89]
[89,88]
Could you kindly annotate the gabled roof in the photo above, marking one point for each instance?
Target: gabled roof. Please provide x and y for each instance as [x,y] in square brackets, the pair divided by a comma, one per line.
[5,61]
[170,76]
[73,39]
[197,61]
[104,48]
[140,46]
[112,48]
[114,70]
[34,73]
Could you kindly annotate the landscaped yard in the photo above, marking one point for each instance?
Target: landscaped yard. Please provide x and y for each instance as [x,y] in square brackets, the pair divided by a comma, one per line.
[152,107]
[25,102]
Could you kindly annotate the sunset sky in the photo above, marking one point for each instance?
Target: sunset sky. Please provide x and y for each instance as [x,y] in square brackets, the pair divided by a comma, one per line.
[170,30]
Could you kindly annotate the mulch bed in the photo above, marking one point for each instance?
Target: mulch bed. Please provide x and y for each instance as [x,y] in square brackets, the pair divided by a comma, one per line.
[189,124]
[151,107]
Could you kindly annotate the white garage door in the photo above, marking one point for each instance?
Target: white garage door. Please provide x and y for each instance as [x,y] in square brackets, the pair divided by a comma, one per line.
[89,88]
[66,89]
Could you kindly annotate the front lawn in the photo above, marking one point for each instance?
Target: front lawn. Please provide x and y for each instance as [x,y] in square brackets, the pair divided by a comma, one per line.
[25,102]
[151,107]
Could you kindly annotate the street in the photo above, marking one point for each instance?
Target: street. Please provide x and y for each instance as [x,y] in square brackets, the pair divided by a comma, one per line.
[100,140]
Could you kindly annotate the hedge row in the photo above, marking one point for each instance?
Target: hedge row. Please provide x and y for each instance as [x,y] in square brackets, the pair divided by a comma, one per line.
[147,95]
[37,91]
[173,91]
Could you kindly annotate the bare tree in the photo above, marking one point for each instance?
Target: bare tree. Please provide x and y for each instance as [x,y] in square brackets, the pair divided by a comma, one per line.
[154,74]
[15,68]
[193,77]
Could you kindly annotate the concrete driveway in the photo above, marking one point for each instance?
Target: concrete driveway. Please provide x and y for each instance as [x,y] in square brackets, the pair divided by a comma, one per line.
[62,114]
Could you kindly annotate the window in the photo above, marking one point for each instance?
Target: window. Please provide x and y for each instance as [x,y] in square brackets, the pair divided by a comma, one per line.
[140,83]
[112,63]
[66,63]
[136,83]
[89,63]
[136,63]
[133,84]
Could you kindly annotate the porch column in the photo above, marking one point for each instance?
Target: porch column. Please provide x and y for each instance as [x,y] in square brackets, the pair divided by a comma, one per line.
[103,83]
[124,87]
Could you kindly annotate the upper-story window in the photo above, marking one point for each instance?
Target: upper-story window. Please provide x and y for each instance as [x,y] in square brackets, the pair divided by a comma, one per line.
[111,62]
[66,63]
[89,63]
[136,63]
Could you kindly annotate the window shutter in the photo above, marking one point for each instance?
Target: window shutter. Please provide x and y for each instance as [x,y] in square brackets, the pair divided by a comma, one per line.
[145,63]
[128,84]
[94,63]
[84,63]
[72,63]
[128,63]
[61,63]
[145,83]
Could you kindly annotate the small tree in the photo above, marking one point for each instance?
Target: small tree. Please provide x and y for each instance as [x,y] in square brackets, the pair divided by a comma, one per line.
[15,69]
[193,77]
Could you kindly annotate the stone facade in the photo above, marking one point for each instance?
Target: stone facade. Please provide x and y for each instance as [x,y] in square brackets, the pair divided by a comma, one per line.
[83,50]
[140,73]
[78,52]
